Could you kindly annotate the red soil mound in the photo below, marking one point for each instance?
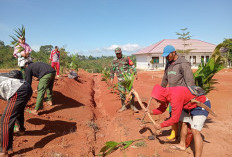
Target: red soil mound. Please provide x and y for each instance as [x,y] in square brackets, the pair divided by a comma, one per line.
[84,117]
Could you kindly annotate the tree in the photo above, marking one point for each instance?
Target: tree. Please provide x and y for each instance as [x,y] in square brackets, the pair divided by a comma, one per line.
[6,57]
[46,48]
[43,54]
[184,36]
[65,59]
[2,44]
[224,51]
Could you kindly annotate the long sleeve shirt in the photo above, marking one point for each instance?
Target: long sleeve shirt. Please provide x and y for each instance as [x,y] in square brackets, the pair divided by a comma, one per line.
[178,73]
[55,56]
[121,66]
[37,69]
[26,51]
[178,97]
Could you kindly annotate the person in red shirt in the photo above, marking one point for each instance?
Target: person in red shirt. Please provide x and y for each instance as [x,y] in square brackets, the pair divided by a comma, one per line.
[182,110]
[55,58]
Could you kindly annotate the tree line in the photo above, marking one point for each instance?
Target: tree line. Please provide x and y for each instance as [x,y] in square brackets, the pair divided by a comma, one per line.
[67,59]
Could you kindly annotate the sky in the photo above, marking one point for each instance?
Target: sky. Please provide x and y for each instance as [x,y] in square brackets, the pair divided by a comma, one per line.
[96,27]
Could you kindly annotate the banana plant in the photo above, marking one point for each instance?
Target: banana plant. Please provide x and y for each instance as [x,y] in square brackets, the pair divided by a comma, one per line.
[204,75]
[128,81]
[18,35]
[112,146]
[74,63]
[105,75]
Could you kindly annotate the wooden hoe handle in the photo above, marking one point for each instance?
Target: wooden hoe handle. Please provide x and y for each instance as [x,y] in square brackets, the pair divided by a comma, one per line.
[141,104]
[204,106]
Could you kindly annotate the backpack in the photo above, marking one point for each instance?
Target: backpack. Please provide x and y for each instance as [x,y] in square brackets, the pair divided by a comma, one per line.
[196,90]
[13,74]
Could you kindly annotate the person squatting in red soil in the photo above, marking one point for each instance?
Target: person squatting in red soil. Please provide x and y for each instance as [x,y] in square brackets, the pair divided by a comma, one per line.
[17,92]
[182,110]
[55,59]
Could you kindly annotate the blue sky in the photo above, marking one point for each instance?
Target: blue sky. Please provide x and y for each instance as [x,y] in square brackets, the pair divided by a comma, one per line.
[96,27]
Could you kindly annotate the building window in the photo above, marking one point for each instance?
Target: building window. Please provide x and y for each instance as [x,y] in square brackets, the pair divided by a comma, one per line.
[194,59]
[207,59]
[202,59]
[155,60]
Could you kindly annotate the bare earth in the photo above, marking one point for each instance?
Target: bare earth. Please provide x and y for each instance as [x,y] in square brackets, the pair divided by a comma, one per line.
[84,117]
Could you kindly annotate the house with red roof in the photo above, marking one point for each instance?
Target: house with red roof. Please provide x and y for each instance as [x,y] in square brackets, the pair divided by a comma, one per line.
[150,58]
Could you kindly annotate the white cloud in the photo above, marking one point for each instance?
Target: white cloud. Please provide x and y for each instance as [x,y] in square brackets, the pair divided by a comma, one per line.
[35,47]
[125,48]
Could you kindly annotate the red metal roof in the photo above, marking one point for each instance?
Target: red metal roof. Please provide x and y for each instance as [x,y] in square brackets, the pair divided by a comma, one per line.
[194,44]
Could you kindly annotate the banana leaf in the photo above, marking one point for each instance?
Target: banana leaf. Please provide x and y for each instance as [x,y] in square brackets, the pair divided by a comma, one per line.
[111,146]
[203,76]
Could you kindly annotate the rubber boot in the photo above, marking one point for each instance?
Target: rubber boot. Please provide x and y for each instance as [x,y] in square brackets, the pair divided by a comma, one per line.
[123,106]
[174,132]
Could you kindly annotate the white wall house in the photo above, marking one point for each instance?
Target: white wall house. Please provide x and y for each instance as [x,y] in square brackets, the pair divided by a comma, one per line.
[200,51]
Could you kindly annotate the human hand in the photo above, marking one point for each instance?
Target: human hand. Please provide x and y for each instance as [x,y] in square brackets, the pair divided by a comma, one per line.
[157,126]
[158,132]
[111,81]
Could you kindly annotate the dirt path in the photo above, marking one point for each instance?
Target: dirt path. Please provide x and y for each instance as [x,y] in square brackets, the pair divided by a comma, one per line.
[85,117]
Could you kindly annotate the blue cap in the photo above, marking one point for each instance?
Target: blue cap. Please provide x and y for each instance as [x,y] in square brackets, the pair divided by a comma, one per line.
[167,50]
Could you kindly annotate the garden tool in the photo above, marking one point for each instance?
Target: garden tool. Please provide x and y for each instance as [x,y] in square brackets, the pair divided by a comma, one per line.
[203,106]
[142,120]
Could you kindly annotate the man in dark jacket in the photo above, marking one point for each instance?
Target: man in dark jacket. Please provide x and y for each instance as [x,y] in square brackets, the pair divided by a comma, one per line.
[177,73]
[46,75]
[17,92]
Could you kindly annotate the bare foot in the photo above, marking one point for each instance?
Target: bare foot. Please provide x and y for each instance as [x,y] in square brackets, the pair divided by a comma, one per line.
[49,103]
[3,154]
[177,147]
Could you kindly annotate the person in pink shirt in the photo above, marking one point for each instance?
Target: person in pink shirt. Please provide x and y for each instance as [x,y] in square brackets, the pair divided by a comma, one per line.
[182,110]
[55,59]
[24,55]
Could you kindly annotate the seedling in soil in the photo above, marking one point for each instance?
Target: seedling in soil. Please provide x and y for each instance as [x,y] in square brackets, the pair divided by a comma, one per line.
[112,146]
[105,75]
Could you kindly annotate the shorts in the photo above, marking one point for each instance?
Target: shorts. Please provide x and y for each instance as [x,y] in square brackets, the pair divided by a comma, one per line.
[196,122]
